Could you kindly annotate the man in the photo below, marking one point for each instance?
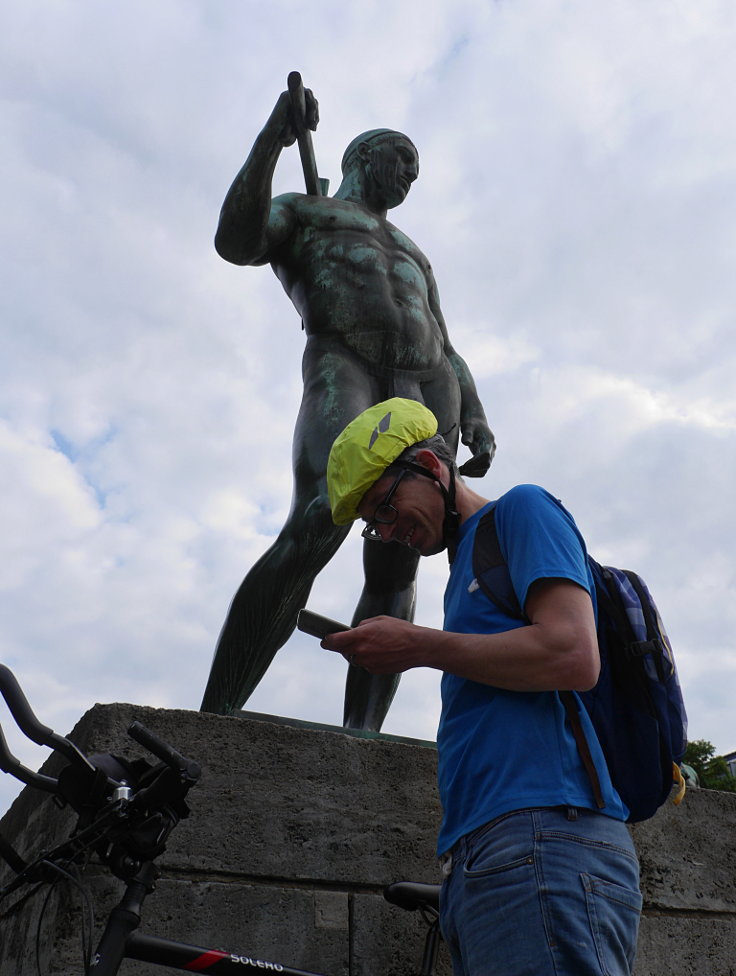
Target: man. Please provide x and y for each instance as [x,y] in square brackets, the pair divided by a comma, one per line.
[538,880]
[370,309]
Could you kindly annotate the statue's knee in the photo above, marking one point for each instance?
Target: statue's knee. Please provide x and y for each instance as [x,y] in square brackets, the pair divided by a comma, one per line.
[311,519]
[315,528]
[319,513]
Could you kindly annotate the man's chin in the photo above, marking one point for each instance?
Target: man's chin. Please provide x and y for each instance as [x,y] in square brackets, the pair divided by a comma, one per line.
[432,550]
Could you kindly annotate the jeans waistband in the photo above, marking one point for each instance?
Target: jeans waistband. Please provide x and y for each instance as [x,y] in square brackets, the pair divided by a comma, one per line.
[446,859]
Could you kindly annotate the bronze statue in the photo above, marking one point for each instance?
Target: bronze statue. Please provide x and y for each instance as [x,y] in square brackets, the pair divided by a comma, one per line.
[370,309]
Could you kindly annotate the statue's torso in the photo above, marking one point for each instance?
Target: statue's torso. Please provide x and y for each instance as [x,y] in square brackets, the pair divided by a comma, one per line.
[355,277]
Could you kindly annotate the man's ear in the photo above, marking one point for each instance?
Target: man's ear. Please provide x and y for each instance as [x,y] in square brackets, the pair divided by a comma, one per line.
[429,460]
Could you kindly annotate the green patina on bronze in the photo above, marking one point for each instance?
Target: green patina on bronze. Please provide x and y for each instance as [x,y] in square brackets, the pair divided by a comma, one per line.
[370,310]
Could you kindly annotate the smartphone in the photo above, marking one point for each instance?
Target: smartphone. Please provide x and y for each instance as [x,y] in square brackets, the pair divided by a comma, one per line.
[316,625]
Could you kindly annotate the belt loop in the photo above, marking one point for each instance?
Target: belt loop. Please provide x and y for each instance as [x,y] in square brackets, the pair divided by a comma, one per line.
[572,813]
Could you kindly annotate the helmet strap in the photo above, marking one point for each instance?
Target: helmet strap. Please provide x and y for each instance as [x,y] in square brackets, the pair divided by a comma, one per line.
[451,523]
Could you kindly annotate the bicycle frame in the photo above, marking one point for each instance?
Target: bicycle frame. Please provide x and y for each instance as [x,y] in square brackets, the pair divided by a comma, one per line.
[121,941]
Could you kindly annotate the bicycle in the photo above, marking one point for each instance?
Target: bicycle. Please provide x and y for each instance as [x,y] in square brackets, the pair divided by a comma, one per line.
[126,812]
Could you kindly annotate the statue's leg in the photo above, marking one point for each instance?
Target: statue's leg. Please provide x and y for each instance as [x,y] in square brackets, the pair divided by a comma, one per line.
[390,588]
[263,612]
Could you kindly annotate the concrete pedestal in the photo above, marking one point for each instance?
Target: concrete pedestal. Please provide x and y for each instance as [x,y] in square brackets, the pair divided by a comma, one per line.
[294,832]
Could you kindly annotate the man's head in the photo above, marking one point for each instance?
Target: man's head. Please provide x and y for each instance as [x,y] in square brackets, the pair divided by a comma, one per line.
[388,161]
[391,468]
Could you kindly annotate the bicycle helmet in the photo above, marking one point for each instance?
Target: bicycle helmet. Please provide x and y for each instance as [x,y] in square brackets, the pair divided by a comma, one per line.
[368,446]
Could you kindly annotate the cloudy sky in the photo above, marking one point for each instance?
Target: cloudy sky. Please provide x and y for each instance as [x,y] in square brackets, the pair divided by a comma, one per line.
[576,199]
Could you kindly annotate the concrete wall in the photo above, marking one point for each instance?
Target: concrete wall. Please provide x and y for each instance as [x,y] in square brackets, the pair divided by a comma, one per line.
[293,834]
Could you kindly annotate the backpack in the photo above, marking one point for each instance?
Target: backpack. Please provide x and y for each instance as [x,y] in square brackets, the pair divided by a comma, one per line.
[636,707]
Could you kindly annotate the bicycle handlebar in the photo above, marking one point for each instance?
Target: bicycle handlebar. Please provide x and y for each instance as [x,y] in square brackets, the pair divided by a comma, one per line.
[126,808]
[90,781]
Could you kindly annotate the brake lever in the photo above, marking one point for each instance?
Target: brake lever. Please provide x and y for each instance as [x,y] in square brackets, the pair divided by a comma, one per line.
[11,764]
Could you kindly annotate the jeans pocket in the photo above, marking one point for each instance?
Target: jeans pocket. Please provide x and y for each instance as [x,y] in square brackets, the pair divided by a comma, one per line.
[613,915]
[496,850]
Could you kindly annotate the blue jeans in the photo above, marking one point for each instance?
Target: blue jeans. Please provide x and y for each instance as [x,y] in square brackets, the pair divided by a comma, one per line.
[544,891]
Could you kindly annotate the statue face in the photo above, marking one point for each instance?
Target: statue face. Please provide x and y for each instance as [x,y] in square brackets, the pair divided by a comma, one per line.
[391,165]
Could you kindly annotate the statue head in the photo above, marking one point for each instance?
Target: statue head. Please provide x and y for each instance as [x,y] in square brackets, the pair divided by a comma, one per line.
[388,161]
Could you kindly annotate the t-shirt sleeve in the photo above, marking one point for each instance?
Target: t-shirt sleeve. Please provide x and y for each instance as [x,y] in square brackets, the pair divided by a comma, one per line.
[539,540]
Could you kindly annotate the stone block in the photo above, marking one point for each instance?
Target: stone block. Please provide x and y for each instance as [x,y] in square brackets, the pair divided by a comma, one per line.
[283,801]
[687,855]
[686,946]
[389,941]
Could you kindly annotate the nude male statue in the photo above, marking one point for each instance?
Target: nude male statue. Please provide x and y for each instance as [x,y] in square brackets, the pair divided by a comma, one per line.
[370,309]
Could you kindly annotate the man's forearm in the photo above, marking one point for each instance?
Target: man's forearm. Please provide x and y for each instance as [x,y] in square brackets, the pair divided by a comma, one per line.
[557,651]
[529,658]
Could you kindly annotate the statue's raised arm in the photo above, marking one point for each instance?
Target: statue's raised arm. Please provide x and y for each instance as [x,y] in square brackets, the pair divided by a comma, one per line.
[251,226]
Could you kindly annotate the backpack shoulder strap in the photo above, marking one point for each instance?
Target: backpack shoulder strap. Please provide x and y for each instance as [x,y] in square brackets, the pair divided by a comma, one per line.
[573,714]
[490,568]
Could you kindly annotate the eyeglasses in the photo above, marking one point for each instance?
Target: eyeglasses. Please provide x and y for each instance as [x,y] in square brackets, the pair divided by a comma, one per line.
[385,513]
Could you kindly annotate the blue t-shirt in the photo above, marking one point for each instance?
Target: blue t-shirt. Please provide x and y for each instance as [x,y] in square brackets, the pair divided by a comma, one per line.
[501,750]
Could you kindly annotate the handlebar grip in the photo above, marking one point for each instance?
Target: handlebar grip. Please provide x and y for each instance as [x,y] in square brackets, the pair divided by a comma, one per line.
[21,711]
[163,751]
[28,723]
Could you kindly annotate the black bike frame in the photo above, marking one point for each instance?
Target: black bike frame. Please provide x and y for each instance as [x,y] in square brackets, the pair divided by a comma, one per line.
[120,941]
[177,955]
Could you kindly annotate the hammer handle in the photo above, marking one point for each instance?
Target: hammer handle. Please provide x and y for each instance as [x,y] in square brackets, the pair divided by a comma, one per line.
[303,135]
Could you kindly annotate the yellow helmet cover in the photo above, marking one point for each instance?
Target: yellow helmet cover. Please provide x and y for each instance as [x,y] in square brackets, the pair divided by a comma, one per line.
[370,444]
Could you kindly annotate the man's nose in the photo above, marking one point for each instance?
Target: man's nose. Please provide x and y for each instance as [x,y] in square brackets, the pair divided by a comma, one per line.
[386,531]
